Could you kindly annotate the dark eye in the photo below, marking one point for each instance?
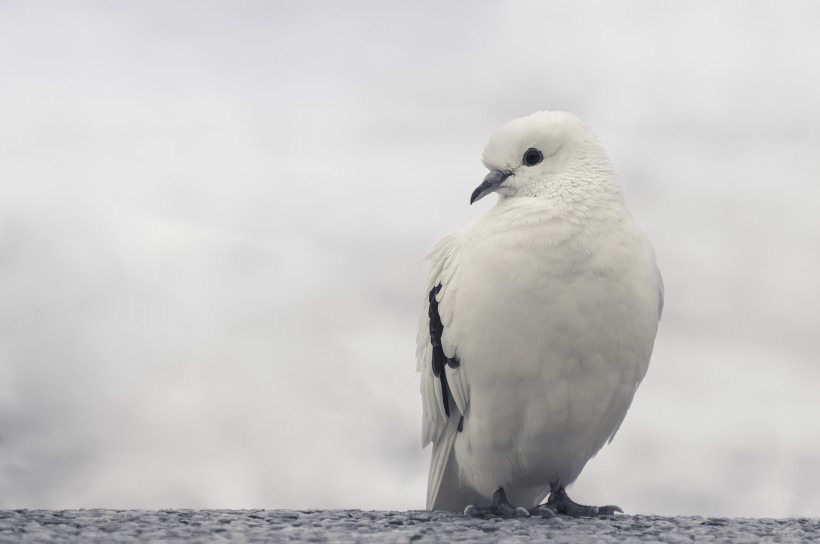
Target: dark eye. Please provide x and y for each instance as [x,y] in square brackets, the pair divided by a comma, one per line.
[532,157]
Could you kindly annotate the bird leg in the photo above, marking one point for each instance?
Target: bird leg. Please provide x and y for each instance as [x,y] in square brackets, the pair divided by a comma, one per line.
[560,502]
[501,508]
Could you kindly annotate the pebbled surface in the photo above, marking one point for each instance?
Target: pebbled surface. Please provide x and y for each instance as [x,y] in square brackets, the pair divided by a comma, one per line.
[119,526]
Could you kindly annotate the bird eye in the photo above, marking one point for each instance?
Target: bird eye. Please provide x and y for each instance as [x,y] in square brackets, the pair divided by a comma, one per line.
[532,157]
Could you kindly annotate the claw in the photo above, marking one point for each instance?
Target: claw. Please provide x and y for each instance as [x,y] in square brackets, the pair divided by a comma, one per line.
[543,511]
[609,510]
[521,512]
[501,508]
[562,504]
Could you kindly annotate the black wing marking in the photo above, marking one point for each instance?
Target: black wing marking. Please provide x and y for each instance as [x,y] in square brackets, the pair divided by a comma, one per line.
[439,358]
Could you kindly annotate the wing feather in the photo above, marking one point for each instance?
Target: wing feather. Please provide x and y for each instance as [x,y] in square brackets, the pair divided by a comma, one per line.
[458,387]
[661,290]
[431,426]
[447,345]
[438,461]
[437,426]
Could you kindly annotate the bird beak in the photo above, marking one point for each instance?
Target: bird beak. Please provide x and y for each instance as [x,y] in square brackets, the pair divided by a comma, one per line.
[492,182]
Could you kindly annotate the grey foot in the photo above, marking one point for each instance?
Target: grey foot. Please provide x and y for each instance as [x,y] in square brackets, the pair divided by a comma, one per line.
[560,502]
[501,508]
[542,510]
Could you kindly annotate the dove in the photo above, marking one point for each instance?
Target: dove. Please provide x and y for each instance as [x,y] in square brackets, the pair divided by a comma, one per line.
[538,323]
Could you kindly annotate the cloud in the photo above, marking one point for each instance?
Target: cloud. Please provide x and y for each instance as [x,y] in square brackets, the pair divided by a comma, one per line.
[212,220]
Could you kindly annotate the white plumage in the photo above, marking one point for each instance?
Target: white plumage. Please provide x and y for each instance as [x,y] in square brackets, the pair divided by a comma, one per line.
[549,305]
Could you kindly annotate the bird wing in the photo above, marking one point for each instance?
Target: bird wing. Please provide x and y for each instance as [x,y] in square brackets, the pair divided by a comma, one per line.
[444,387]
[661,290]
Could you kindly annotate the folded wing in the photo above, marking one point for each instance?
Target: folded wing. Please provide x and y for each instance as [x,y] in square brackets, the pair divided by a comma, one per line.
[444,387]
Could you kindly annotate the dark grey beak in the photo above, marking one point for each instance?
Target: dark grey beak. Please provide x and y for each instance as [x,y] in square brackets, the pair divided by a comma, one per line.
[493,180]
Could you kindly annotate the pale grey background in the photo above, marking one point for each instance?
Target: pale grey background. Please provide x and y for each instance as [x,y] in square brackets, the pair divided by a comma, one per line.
[213,216]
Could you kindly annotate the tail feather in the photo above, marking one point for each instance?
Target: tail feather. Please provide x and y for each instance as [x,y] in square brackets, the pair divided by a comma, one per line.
[444,488]
[442,451]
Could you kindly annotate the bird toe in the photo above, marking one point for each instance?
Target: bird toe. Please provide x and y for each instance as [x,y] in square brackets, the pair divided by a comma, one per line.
[542,510]
[610,510]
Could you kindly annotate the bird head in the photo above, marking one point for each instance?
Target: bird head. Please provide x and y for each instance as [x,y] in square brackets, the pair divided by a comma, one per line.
[531,155]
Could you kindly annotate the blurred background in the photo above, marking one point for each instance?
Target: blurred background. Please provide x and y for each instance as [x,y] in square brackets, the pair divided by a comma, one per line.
[213,216]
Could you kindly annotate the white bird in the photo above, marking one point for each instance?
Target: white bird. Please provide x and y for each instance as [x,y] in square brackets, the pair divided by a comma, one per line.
[538,324]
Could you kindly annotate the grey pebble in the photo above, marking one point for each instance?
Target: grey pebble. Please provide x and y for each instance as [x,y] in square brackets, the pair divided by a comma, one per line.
[349,526]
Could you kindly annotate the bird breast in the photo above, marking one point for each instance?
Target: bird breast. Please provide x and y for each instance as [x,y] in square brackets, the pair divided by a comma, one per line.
[562,318]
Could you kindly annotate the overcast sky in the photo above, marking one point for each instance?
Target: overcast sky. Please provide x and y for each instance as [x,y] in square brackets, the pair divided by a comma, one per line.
[213,217]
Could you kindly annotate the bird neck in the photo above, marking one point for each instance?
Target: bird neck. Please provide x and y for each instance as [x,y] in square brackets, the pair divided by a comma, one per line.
[574,199]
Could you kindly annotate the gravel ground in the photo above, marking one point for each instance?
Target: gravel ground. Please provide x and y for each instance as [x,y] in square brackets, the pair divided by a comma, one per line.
[121,526]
